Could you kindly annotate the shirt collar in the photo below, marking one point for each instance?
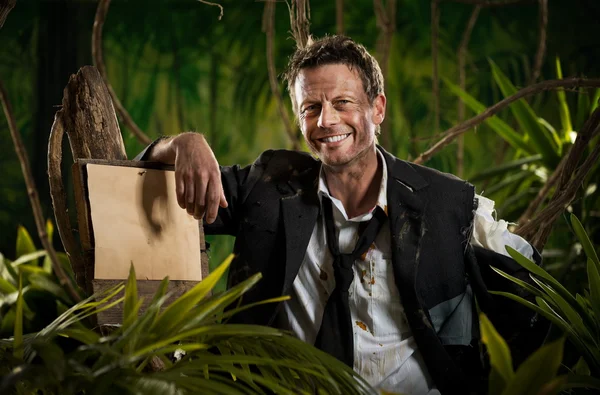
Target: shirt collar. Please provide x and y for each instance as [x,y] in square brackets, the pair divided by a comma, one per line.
[381,200]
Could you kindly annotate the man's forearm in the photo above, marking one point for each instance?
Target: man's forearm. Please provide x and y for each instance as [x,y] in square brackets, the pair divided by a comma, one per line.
[163,151]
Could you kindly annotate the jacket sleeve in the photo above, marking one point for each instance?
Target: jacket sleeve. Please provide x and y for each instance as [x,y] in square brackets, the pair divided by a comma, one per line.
[237,183]
[522,328]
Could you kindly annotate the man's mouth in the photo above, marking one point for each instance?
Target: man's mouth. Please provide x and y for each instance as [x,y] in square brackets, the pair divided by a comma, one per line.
[334,139]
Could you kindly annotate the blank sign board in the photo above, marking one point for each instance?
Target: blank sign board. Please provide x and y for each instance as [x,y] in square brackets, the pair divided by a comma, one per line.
[135,218]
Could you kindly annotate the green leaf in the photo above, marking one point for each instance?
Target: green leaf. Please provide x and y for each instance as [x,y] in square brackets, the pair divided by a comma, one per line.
[584,240]
[528,287]
[44,282]
[83,335]
[539,369]
[6,287]
[49,230]
[594,282]
[499,126]
[500,357]
[131,305]
[24,242]
[505,168]
[583,108]
[563,107]
[595,101]
[579,381]
[28,257]
[542,140]
[176,311]
[7,270]
[18,332]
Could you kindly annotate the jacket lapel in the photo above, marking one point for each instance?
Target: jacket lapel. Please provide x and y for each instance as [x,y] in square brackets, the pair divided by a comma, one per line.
[299,210]
[405,211]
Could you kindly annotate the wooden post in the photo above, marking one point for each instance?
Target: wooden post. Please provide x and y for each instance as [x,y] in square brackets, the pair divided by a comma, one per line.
[89,120]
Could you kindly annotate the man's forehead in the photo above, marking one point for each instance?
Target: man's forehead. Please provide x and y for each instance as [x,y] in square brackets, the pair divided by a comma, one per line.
[338,76]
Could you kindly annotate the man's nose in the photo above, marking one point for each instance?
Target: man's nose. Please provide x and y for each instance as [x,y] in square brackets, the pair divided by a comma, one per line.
[328,117]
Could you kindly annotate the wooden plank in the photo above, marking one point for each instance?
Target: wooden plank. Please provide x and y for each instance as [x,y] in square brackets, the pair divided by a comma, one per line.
[146,290]
[145,287]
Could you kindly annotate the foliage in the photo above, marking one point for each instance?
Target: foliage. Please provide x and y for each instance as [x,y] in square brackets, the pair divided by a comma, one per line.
[68,357]
[578,316]
[537,375]
[40,293]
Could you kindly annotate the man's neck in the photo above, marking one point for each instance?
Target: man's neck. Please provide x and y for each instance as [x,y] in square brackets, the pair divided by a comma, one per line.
[357,184]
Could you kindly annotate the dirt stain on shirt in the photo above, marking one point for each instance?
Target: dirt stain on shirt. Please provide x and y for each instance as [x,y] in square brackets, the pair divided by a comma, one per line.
[361,325]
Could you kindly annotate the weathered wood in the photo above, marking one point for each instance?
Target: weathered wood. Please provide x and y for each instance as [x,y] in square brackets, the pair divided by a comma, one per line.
[146,289]
[89,118]
[5,7]
[59,201]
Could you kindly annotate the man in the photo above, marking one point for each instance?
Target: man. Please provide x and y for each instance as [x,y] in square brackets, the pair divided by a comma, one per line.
[405,318]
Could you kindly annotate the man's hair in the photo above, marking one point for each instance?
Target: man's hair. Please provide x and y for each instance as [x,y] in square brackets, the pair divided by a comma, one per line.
[336,50]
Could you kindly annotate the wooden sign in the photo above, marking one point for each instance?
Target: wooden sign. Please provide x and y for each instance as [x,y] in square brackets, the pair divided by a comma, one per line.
[128,214]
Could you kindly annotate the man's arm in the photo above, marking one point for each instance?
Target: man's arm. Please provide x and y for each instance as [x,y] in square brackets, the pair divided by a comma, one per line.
[197,175]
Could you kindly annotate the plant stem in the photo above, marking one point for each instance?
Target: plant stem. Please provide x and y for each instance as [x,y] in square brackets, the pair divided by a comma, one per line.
[269,29]
[34,199]
[101,12]
[459,129]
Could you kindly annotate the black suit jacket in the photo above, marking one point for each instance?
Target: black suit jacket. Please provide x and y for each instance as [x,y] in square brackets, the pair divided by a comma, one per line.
[273,208]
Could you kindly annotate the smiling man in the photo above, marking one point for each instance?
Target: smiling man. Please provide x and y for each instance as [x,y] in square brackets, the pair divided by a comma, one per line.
[382,258]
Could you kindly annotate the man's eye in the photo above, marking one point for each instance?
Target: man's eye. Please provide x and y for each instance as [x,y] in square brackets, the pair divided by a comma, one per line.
[310,108]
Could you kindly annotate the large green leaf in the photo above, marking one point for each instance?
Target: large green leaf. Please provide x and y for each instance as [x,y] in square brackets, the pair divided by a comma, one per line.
[594,283]
[545,143]
[130,305]
[539,369]
[24,242]
[500,357]
[504,168]
[563,107]
[494,122]
[18,332]
[174,315]
[584,240]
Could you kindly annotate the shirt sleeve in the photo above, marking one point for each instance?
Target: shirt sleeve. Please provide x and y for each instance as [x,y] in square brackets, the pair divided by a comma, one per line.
[494,235]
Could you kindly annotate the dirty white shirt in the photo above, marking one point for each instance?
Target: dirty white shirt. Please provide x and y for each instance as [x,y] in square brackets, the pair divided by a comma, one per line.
[385,352]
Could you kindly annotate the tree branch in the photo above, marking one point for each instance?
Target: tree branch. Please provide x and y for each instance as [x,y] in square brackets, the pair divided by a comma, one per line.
[462,82]
[339,17]
[299,21]
[435,24]
[216,5]
[541,51]
[34,199]
[269,29]
[59,200]
[487,3]
[457,130]
[97,55]
[5,7]
[570,179]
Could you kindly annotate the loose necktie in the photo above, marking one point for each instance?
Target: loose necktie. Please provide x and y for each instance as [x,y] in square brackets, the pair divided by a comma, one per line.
[335,335]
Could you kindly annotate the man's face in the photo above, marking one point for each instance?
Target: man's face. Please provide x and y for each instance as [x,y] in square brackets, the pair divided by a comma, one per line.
[336,118]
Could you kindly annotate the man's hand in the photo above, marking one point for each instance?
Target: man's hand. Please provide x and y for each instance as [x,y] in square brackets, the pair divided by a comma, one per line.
[197,175]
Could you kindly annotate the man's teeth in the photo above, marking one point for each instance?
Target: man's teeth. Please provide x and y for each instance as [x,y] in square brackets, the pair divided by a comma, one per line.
[334,139]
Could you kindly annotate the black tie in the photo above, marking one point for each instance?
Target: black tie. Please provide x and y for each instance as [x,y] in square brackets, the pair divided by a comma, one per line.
[335,335]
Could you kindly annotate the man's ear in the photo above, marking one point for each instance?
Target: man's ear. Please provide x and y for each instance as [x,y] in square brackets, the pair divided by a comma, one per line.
[378,109]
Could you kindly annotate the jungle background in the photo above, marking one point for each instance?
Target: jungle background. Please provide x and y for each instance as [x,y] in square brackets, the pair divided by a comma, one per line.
[176,65]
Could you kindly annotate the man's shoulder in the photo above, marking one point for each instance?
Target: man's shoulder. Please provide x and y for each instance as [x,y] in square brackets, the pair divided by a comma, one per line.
[284,161]
[409,172]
